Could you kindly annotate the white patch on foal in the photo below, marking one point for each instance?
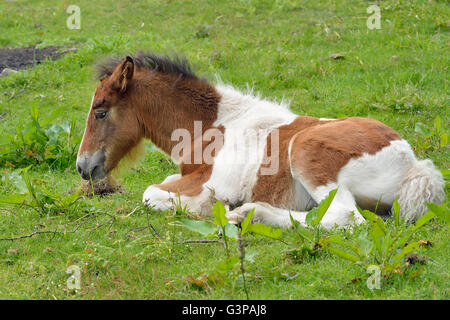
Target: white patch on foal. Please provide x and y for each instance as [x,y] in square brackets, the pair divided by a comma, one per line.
[233,181]
[84,134]
[378,176]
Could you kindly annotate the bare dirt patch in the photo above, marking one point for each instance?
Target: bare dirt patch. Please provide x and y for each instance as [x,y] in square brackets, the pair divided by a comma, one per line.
[19,58]
[101,187]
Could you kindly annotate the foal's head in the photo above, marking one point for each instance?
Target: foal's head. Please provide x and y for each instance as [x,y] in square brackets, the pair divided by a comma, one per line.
[147,96]
[112,128]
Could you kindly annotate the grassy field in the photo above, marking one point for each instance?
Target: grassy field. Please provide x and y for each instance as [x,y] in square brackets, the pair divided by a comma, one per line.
[397,74]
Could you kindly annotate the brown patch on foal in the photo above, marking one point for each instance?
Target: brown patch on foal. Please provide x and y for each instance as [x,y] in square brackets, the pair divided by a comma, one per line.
[194,175]
[165,107]
[281,183]
[191,100]
[190,184]
[320,152]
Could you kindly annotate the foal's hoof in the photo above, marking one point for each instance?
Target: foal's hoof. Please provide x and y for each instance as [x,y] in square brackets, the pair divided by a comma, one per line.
[239,214]
[234,218]
[157,199]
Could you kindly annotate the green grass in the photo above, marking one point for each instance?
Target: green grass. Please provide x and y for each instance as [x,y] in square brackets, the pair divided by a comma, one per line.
[282,49]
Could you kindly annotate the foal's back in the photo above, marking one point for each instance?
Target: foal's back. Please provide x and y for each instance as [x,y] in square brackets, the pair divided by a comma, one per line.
[320,151]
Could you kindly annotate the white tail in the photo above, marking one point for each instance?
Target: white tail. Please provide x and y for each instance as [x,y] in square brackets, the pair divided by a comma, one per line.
[422,183]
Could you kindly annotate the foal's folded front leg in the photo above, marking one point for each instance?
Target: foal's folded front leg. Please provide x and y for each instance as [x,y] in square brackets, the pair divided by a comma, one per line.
[162,198]
[159,199]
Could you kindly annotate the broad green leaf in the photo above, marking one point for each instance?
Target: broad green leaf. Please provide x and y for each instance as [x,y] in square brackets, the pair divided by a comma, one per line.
[324,205]
[266,231]
[24,170]
[376,243]
[219,214]
[368,215]
[437,125]
[314,217]
[387,241]
[344,254]
[336,239]
[14,199]
[444,140]
[301,230]
[446,173]
[378,230]
[377,234]
[247,221]
[409,248]
[34,112]
[423,219]
[293,221]
[401,242]
[311,216]
[201,227]
[231,231]
[396,209]
[440,210]
[68,200]
[380,224]
[424,144]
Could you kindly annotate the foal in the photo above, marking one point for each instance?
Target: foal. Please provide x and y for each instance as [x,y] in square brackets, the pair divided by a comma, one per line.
[248,152]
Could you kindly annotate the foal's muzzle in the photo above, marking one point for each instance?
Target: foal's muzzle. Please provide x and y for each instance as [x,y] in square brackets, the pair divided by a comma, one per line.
[91,165]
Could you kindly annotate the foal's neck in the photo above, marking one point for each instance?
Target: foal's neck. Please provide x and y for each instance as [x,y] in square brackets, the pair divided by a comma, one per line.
[170,102]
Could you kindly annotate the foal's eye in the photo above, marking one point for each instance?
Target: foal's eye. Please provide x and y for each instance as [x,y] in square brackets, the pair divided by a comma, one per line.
[100,114]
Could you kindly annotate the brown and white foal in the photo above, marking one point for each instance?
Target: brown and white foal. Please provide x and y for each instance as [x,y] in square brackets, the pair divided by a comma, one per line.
[248,152]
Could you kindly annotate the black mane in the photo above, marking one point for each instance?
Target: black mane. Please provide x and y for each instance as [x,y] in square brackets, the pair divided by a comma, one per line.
[172,65]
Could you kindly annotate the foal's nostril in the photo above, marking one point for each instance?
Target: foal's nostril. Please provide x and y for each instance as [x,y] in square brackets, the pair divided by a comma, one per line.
[91,166]
[82,168]
[93,173]
[79,168]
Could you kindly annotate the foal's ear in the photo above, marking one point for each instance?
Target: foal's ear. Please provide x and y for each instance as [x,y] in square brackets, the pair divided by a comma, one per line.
[124,73]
